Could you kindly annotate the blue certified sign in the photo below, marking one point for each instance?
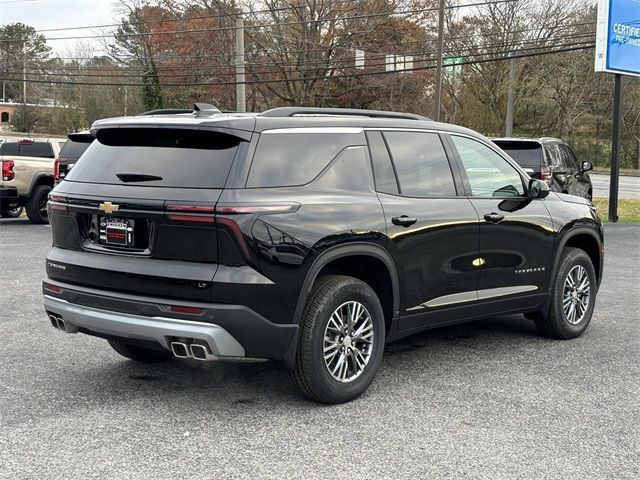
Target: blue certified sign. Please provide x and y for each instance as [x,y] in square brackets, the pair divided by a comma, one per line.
[618,37]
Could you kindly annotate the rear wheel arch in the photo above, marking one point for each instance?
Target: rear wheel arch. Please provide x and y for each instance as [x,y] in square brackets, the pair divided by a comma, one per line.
[368,262]
[40,179]
[587,240]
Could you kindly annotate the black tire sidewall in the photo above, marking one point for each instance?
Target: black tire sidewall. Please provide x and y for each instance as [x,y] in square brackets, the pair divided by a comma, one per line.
[350,290]
[573,258]
[33,206]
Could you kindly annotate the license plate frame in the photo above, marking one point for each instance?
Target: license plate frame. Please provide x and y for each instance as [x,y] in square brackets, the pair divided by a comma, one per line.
[117,232]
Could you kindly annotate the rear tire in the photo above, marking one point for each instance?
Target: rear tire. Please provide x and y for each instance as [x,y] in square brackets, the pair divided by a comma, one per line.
[11,212]
[37,205]
[140,354]
[354,348]
[573,297]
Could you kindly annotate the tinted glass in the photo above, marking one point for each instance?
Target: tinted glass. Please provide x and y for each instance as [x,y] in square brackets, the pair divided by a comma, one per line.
[385,177]
[526,154]
[553,155]
[10,148]
[421,164]
[182,158]
[292,159]
[36,149]
[489,174]
[569,157]
[73,149]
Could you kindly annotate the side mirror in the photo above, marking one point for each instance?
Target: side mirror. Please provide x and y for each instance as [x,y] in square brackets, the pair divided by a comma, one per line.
[538,188]
[586,166]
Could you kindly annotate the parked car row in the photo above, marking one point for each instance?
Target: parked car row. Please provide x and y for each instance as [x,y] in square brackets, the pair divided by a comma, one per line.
[30,170]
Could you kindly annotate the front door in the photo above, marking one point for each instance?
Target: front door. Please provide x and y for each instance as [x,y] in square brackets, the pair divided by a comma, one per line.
[432,230]
[516,232]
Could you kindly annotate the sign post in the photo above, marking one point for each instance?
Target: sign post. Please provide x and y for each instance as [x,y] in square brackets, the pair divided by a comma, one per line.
[617,52]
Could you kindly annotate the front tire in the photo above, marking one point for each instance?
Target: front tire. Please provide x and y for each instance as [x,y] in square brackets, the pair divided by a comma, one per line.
[140,354]
[37,205]
[573,297]
[340,340]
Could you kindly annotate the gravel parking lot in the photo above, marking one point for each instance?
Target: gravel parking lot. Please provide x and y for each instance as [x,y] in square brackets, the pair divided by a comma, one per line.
[490,399]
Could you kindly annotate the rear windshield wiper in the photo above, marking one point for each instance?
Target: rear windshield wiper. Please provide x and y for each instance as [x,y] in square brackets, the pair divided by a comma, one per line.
[137,177]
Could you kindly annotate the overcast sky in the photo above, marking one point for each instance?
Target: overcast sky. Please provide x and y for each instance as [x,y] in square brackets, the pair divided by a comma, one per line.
[42,14]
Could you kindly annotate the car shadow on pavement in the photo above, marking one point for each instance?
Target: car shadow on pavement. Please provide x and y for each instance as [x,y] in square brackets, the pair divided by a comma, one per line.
[231,383]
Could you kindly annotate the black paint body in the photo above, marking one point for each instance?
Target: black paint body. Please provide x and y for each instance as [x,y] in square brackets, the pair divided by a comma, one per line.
[267,262]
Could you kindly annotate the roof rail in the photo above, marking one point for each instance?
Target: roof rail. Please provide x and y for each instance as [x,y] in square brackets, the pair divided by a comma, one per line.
[293,111]
[166,111]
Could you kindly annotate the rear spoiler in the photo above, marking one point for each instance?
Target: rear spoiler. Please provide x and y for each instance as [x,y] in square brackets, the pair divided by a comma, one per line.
[81,137]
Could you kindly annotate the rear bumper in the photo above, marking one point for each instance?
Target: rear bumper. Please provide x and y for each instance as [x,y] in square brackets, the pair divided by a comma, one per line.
[228,330]
[8,195]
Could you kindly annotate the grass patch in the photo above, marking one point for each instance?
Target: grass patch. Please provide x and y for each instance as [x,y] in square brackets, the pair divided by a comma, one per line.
[628,209]
[631,172]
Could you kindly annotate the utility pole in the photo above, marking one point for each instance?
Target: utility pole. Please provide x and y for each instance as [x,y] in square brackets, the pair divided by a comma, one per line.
[240,85]
[439,53]
[508,129]
[24,73]
[615,149]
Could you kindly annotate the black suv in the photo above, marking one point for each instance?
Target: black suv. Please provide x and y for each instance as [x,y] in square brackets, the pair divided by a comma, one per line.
[70,153]
[552,161]
[309,235]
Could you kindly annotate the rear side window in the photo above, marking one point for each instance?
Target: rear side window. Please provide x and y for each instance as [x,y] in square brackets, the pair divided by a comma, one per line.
[526,154]
[383,172]
[157,157]
[73,149]
[35,149]
[421,164]
[289,159]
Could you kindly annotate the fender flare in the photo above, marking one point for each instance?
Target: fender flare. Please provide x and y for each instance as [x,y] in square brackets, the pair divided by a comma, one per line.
[333,253]
[36,180]
[569,235]
[346,250]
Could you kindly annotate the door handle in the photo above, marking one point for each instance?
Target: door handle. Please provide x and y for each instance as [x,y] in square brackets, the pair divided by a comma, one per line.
[404,221]
[494,217]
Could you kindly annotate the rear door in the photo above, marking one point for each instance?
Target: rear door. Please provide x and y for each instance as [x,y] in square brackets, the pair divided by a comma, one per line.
[516,232]
[432,230]
[137,213]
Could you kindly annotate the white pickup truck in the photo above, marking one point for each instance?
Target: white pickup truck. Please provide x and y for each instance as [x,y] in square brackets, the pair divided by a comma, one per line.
[27,176]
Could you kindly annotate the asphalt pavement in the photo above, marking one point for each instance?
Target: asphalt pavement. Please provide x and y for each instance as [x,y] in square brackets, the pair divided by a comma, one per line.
[490,399]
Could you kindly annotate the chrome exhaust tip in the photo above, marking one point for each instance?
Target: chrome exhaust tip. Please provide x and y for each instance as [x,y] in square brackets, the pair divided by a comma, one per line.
[54,321]
[180,350]
[199,352]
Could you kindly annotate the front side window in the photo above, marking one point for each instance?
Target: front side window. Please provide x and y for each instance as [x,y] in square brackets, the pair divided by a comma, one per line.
[488,173]
[421,164]
[570,159]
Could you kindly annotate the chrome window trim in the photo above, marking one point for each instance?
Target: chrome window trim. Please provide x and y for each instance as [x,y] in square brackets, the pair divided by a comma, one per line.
[354,130]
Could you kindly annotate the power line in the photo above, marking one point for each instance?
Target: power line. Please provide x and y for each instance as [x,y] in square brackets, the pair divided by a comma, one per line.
[260,26]
[330,77]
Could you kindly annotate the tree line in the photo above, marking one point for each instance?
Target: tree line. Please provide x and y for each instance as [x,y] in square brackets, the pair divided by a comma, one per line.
[377,54]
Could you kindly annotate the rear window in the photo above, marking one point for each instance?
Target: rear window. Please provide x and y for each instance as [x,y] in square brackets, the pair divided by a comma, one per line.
[526,154]
[157,157]
[35,149]
[296,158]
[73,149]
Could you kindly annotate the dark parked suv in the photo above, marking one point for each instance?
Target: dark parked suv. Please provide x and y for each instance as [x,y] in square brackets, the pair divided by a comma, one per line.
[309,235]
[552,161]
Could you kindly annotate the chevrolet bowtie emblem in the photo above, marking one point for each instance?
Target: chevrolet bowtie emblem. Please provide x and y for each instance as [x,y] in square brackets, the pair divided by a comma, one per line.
[108,207]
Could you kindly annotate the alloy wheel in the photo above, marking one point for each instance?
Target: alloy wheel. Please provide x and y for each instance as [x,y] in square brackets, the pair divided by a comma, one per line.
[576,295]
[348,341]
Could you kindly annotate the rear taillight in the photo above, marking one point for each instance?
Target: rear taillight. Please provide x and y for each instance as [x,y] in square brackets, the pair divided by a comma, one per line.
[58,203]
[56,169]
[545,175]
[7,170]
